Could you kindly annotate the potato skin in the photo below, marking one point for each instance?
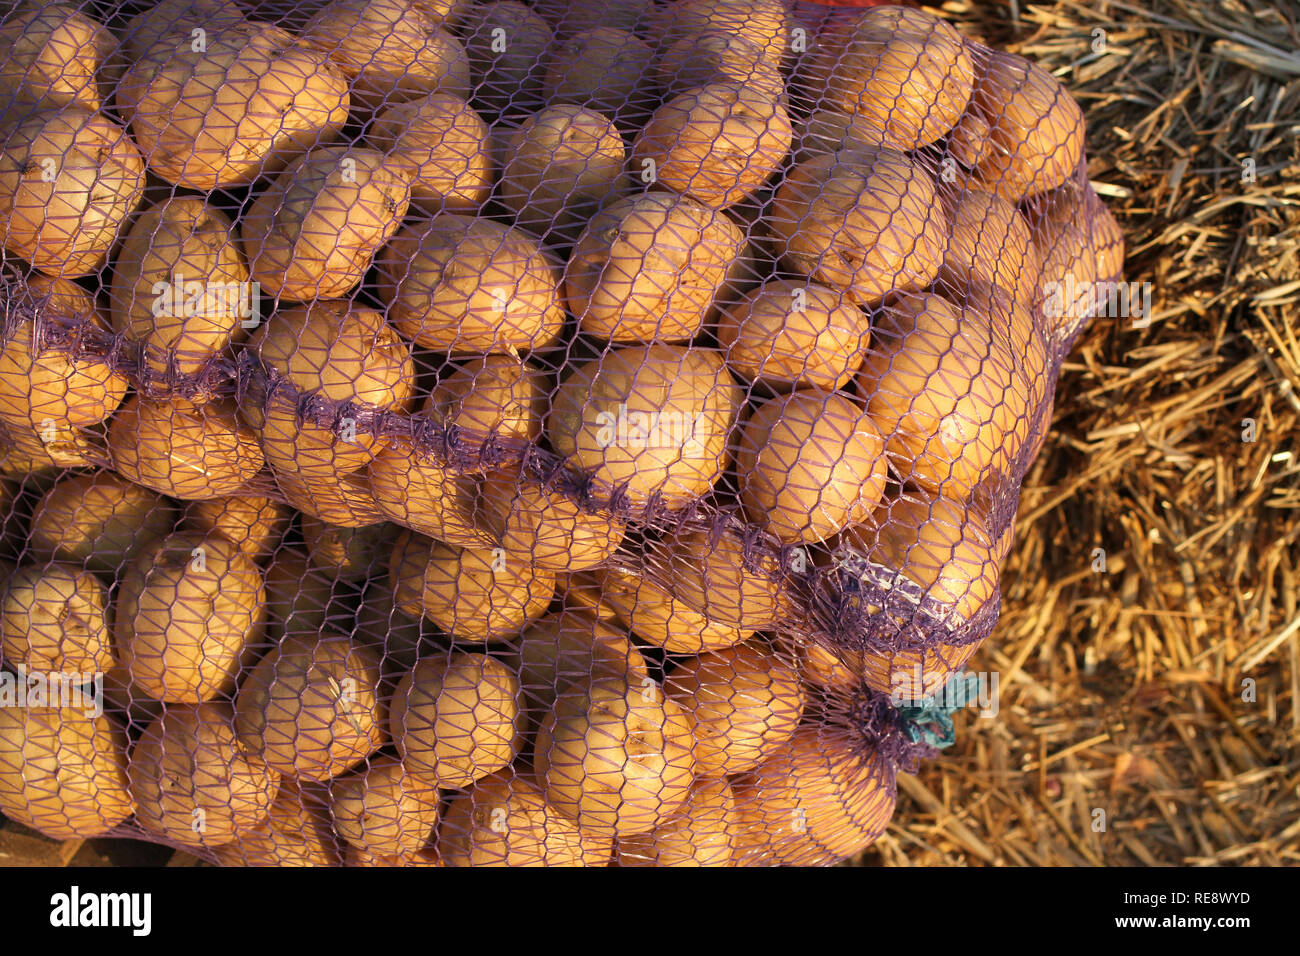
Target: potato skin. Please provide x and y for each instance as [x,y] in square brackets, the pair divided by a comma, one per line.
[62,771]
[455,718]
[297,832]
[194,783]
[53,617]
[701,833]
[311,706]
[52,54]
[384,809]
[69,177]
[188,609]
[246,104]
[255,523]
[313,232]
[444,144]
[424,496]
[604,69]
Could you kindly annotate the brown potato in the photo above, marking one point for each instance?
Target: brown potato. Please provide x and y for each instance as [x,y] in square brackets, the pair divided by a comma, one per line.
[470,593]
[467,286]
[391,50]
[654,420]
[905,73]
[1083,206]
[742,703]
[504,820]
[701,833]
[98,521]
[1025,133]
[820,798]
[717,143]
[788,333]
[53,618]
[297,833]
[341,499]
[68,180]
[809,463]
[455,718]
[384,809]
[650,267]
[863,220]
[990,242]
[192,780]
[506,43]
[527,517]
[351,554]
[659,617]
[712,574]
[703,59]
[47,389]
[421,494]
[1066,287]
[946,392]
[616,757]
[187,611]
[180,285]
[25,451]
[52,54]
[62,771]
[183,450]
[490,395]
[563,164]
[312,233]
[444,145]
[255,523]
[311,706]
[251,99]
[336,351]
[175,20]
[765,23]
[604,69]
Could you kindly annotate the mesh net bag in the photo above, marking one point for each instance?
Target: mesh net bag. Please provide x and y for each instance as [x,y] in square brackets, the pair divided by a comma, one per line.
[444,433]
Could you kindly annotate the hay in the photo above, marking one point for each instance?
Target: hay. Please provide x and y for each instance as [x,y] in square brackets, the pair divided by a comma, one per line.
[1123,691]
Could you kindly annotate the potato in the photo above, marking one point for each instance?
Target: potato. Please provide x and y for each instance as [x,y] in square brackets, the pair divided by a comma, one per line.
[990,242]
[701,833]
[651,420]
[255,523]
[466,286]
[176,20]
[946,392]
[572,16]
[504,820]
[383,808]
[809,464]
[659,617]
[863,220]
[742,703]
[1066,286]
[352,554]
[338,352]
[421,494]
[499,395]
[300,599]
[311,706]
[52,54]
[297,832]
[444,145]
[616,757]
[25,451]
[425,857]
[788,333]
[312,233]
[649,268]
[53,618]
[941,545]
[184,450]
[567,647]
[715,574]
[765,23]
[563,164]
[68,179]
[455,718]
[48,389]
[391,50]
[192,780]
[527,517]
[180,285]
[340,499]
[905,73]
[252,99]
[506,43]
[1023,133]
[62,771]
[472,594]
[711,57]
[717,144]
[604,69]
[188,609]
[98,521]
[1081,205]
[820,798]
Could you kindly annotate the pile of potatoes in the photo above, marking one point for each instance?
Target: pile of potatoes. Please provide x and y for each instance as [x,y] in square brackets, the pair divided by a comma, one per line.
[417,416]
